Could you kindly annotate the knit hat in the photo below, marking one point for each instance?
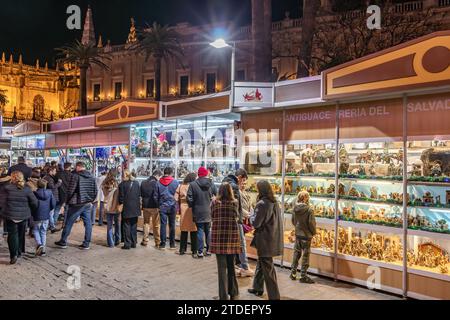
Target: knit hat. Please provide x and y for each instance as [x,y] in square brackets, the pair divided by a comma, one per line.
[203,172]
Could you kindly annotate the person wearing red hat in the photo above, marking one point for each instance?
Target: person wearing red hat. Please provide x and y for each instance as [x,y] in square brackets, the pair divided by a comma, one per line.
[199,197]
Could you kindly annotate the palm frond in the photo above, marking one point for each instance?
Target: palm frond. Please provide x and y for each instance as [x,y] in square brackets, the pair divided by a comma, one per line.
[82,55]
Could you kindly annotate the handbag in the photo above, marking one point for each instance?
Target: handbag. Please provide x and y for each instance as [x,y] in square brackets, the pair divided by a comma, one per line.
[247,226]
[120,206]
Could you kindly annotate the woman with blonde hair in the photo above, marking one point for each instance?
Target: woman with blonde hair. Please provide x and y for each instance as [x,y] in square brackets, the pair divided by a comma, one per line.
[110,189]
[20,202]
[305,228]
[130,207]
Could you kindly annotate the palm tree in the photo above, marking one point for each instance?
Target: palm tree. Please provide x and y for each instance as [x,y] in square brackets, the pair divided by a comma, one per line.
[160,42]
[310,8]
[3,100]
[83,56]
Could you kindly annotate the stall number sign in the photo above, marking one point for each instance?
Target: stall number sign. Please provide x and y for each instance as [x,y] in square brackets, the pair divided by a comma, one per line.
[253,96]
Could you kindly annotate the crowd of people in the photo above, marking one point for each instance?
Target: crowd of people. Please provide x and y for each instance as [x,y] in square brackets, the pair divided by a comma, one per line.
[214,218]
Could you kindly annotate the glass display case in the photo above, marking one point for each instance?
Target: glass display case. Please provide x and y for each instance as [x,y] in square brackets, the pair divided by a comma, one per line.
[164,144]
[4,159]
[85,155]
[371,183]
[107,158]
[429,205]
[221,145]
[191,140]
[311,167]
[30,147]
[185,145]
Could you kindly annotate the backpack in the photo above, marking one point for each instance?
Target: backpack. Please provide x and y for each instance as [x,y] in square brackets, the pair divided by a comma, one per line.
[166,199]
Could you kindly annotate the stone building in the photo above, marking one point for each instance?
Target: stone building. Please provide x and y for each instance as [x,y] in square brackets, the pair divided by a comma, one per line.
[206,70]
[36,92]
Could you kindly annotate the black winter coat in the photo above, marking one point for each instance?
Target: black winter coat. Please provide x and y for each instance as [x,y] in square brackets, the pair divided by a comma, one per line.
[20,203]
[3,183]
[130,197]
[82,189]
[269,234]
[53,185]
[47,203]
[65,177]
[199,196]
[22,167]
[234,182]
[148,189]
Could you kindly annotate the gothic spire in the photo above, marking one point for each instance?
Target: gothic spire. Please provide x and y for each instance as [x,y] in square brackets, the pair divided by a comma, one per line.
[3,58]
[100,42]
[132,36]
[89,32]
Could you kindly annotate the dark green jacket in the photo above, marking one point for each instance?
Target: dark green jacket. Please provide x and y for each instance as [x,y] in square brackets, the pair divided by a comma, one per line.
[304,221]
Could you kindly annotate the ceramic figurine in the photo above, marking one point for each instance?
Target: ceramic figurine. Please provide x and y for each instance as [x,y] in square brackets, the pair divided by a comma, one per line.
[436,169]
[331,189]
[416,170]
[374,193]
[344,167]
[354,193]
[428,198]
[341,190]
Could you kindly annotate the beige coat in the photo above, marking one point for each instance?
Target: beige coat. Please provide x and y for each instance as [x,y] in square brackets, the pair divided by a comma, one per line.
[187,221]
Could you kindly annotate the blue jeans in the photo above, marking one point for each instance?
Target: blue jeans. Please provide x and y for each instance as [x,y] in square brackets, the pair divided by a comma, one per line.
[203,233]
[73,214]
[100,212]
[243,256]
[113,230]
[40,232]
[54,216]
[168,215]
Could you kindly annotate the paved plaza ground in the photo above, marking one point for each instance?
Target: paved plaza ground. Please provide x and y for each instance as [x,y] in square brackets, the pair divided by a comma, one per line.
[142,274]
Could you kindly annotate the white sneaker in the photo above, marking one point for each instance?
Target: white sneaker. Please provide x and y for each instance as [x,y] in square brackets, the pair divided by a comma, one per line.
[246,273]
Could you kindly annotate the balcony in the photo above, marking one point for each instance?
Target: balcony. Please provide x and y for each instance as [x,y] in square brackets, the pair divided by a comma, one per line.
[409,6]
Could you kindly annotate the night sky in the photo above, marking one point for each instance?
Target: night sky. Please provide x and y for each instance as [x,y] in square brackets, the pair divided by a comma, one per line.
[35,27]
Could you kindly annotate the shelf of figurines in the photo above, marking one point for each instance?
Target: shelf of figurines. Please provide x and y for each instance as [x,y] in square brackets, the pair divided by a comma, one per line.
[385,250]
[381,219]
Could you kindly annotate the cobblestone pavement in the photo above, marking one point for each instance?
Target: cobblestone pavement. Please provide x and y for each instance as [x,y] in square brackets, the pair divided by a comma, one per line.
[143,273]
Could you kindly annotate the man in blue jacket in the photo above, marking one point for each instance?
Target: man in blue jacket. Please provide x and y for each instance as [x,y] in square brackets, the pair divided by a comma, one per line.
[165,196]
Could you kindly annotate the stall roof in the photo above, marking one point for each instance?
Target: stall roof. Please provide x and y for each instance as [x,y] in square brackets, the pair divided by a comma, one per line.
[27,128]
[419,64]
[76,124]
[197,106]
[126,112]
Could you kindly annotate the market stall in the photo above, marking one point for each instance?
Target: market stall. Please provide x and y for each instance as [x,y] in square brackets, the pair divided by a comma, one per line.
[190,133]
[374,154]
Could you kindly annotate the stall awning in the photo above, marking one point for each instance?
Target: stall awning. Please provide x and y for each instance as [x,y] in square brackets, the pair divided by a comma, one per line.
[127,112]
[198,106]
[27,128]
[421,63]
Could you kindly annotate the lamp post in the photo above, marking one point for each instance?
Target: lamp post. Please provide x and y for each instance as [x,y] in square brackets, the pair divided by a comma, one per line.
[220,44]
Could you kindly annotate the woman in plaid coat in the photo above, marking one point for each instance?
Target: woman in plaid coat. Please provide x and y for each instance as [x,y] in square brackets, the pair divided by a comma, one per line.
[225,241]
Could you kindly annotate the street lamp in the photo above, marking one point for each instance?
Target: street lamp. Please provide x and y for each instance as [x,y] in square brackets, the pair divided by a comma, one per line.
[221,44]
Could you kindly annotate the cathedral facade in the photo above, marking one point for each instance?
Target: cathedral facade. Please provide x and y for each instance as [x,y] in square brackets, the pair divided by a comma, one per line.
[36,92]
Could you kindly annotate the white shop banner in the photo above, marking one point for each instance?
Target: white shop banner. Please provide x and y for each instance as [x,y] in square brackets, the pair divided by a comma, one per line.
[253,95]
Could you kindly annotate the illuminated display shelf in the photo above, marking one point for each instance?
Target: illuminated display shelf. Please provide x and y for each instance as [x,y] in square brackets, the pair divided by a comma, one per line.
[398,266]
[371,227]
